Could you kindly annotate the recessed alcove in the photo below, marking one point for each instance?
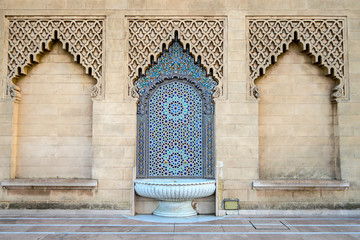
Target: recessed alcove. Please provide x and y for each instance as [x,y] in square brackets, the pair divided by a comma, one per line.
[54,138]
[297,123]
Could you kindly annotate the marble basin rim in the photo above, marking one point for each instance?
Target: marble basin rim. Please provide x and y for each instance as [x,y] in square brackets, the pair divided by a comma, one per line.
[175,195]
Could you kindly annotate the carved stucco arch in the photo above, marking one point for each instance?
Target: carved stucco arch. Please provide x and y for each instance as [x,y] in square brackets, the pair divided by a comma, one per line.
[324,38]
[29,37]
[204,36]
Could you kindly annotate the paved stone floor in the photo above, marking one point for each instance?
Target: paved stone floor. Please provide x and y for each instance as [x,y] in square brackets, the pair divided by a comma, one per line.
[70,225]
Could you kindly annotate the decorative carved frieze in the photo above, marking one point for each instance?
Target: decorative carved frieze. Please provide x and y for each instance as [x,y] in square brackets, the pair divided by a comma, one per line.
[28,37]
[203,36]
[321,37]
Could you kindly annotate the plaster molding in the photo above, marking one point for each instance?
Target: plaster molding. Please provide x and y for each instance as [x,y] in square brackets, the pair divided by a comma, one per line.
[204,36]
[29,37]
[324,38]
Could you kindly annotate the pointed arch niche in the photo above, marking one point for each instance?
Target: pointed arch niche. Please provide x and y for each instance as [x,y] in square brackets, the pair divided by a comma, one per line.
[54,137]
[50,132]
[298,140]
[29,37]
[323,38]
[175,117]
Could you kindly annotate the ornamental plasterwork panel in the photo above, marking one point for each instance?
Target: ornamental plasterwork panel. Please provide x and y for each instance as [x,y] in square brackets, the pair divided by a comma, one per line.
[29,37]
[204,37]
[322,37]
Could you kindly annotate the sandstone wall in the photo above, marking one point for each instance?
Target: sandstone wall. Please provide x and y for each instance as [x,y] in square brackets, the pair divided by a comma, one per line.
[245,129]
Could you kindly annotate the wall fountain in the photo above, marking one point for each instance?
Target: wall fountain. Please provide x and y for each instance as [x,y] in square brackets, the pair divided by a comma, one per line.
[175,124]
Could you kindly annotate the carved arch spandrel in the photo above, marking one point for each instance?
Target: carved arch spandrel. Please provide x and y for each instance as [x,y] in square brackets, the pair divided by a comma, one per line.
[29,37]
[324,38]
[205,37]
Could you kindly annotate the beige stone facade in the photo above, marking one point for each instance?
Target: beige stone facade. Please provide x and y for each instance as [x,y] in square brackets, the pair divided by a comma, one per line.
[289,114]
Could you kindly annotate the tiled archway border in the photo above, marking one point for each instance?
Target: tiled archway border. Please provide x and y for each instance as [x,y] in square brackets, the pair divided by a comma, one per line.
[30,36]
[322,37]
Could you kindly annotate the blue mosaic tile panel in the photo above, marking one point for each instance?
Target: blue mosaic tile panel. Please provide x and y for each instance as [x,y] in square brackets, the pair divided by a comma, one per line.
[175,61]
[141,163]
[175,131]
[210,147]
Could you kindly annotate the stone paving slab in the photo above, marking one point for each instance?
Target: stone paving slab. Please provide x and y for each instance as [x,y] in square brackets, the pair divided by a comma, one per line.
[68,225]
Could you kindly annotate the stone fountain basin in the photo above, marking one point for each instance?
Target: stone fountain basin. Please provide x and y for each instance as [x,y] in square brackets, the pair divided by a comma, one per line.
[175,195]
[176,189]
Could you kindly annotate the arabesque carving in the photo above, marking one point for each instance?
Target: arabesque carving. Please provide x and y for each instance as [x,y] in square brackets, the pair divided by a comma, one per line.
[204,37]
[30,36]
[321,37]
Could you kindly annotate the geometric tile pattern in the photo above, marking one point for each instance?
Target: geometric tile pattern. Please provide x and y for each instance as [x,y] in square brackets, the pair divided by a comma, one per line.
[175,61]
[175,131]
[175,118]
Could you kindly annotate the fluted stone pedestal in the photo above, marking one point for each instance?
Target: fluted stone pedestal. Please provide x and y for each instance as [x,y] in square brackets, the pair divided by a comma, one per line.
[175,209]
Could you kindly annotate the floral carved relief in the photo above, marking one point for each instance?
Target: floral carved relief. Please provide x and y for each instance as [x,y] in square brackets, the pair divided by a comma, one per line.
[29,37]
[203,36]
[321,37]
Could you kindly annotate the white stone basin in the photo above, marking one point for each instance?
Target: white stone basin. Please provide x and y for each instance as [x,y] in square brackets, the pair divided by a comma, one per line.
[175,195]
